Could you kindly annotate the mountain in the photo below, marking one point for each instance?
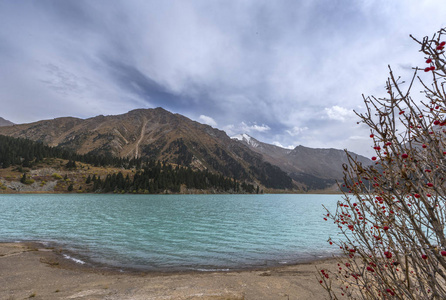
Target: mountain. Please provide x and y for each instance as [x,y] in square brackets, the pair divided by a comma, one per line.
[316,168]
[156,134]
[4,122]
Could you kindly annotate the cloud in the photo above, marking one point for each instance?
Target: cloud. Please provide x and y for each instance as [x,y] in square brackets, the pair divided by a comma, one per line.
[242,127]
[230,130]
[208,120]
[339,113]
[284,71]
[254,127]
[296,130]
[291,147]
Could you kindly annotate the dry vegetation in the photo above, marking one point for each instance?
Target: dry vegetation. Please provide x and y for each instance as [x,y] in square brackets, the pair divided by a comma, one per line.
[393,216]
[51,176]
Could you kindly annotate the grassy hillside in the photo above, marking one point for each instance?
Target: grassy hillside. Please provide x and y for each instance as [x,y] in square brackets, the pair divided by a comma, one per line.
[51,176]
[28,166]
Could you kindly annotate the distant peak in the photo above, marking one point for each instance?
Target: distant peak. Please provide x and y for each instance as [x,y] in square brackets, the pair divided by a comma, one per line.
[161,109]
[157,110]
[247,139]
[241,137]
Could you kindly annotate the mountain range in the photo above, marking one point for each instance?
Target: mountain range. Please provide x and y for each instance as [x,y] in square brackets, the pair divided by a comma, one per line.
[161,135]
[314,168]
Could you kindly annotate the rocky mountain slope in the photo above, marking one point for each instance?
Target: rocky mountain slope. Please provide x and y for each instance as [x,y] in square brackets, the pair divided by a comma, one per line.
[316,168]
[4,122]
[156,134]
[161,135]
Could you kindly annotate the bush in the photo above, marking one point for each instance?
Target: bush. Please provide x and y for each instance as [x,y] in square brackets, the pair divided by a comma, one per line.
[29,181]
[393,218]
[57,176]
[25,180]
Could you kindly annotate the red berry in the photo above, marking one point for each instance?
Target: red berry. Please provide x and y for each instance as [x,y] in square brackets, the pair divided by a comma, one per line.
[424,146]
[372,135]
[427,69]
[404,155]
[386,228]
[443,253]
[374,158]
[440,47]
[424,256]
[429,184]
[436,122]
[401,112]
[442,43]
[428,61]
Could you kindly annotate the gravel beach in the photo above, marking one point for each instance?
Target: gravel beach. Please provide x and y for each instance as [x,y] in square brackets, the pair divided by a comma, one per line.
[31,270]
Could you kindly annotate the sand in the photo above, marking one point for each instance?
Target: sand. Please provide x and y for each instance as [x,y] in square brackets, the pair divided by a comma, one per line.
[31,271]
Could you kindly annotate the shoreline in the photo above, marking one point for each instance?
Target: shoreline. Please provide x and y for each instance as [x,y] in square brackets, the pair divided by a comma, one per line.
[35,270]
[275,192]
[72,259]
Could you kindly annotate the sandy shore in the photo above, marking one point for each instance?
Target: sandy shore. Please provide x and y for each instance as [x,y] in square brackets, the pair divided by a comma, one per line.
[29,270]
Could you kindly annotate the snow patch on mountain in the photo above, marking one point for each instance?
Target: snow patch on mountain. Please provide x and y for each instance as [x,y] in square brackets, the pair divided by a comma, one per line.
[247,139]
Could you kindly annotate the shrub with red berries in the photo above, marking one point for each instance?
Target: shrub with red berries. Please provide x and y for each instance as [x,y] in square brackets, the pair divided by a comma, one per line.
[392,219]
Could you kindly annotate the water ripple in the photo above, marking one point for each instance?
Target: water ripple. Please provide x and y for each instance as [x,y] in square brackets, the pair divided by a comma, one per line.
[174,231]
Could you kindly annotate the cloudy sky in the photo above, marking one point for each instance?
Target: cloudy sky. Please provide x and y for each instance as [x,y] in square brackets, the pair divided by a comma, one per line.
[285,72]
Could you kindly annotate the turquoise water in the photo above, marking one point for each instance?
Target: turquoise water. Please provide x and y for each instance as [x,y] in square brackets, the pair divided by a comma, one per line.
[174,232]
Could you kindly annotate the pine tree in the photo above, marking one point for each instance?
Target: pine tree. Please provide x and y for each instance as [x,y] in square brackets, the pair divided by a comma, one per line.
[23,179]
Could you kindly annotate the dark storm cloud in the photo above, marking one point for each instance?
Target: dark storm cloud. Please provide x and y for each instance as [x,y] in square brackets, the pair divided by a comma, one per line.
[69,13]
[133,80]
[289,72]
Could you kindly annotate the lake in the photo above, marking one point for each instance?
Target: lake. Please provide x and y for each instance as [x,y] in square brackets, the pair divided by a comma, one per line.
[174,232]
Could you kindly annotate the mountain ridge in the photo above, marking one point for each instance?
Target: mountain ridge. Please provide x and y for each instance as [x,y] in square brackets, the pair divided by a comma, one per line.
[4,122]
[158,134]
[155,134]
[318,168]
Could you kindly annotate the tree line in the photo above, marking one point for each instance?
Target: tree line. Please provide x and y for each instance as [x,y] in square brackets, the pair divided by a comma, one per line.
[150,177]
[156,177]
[27,153]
